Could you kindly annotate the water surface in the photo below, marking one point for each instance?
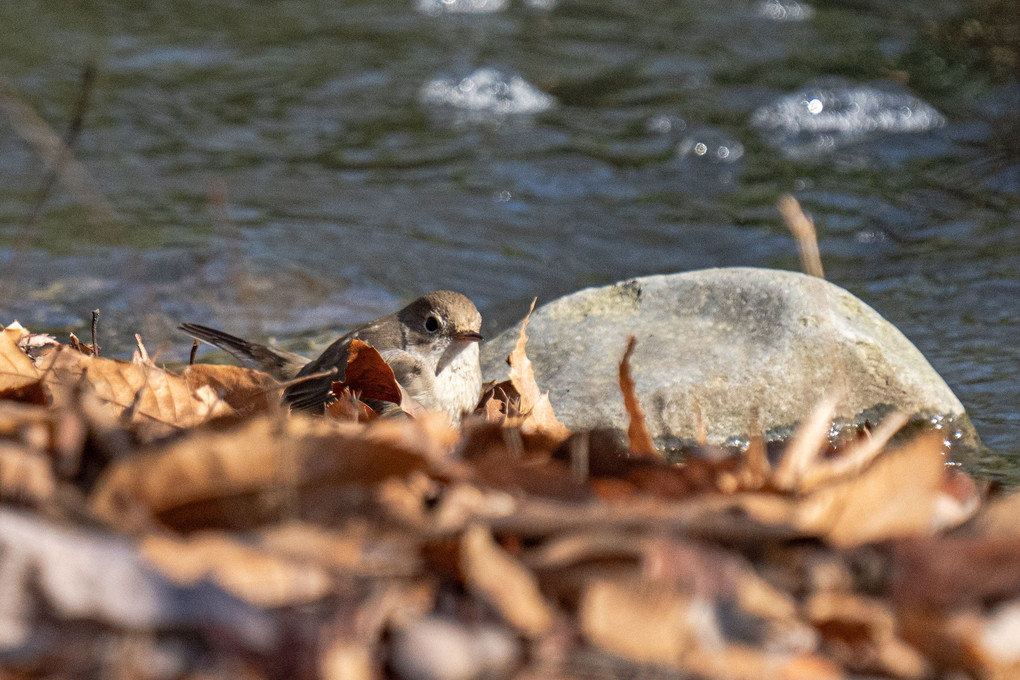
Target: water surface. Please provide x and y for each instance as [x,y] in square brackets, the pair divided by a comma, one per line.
[279,168]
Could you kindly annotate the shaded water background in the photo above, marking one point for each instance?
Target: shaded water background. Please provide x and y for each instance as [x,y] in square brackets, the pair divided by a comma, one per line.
[272,168]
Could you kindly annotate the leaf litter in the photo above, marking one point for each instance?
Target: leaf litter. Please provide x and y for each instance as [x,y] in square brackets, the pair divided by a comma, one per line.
[181,524]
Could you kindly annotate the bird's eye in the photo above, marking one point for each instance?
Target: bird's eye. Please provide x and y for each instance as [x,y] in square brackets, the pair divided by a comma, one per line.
[432,324]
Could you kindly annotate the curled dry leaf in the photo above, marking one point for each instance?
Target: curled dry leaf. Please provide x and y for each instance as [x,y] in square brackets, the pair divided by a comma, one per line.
[368,375]
[896,496]
[653,623]
[26,477]
[246,475]
[354,551]
[807,443]
[16,370]
[641,444]
[535,406]
[645,622]
[142,390]
[856,457]
[248,572]
[861,632]
[74,573]
[348,408]
[245,390]
[506,583]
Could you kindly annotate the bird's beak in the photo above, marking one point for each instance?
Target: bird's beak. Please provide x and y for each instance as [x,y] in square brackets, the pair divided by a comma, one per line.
[468,336]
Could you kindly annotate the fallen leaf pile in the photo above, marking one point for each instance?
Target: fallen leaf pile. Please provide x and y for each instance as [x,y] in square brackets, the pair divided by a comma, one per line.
[181,524]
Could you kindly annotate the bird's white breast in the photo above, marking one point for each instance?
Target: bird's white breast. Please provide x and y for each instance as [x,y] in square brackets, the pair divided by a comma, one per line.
[459,384]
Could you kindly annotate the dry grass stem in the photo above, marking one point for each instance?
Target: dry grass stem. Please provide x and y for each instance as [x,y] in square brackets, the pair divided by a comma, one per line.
[803,229]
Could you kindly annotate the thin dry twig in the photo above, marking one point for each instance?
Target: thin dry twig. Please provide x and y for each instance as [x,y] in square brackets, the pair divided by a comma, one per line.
[56,152]
[803,229]
[143,353]
[95,327]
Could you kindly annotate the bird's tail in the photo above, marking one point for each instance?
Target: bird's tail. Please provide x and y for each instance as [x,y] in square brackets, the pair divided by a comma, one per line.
[277,363]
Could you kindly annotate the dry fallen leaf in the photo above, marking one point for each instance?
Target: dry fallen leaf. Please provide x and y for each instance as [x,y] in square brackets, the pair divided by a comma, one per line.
[248,572]
[137,389]
[861,632]
[535,406]
[896,496]
[646,622]
[251,473]
[346,407]
[805,446]
[16,370]
[506,583]
[641,444]
[369,376]
[247,391]
[26,477]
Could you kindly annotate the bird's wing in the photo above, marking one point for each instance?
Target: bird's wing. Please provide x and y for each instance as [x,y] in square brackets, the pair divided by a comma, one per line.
[312,395]
[277,363]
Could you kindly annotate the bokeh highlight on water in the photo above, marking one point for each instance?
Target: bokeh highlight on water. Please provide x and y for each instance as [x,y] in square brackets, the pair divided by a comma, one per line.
[289,169]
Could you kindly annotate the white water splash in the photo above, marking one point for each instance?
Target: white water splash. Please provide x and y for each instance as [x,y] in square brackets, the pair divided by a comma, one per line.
[487,90]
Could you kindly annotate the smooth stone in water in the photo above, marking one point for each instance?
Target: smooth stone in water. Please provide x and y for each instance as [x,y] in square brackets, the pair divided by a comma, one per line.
[729,340]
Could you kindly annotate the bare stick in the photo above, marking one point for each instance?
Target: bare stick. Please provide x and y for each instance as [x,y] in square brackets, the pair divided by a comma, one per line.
[305,378]
[57,153]
[142,352]
[194,351]
[65,152]
[95,326]
[803,229]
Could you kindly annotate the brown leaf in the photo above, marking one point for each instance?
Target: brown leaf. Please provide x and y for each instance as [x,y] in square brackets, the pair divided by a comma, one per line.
[248,572]
[641,444]
[896,496]
[861,633]
[652,623]
[142,390]
[236,477]
[368,375]
[854,458]
[356,550]
[347,407]
[982,645]
[535,406]
[506,583]
[954,572]
[79,573]
[644,622]
[247,391]
[1000,518]
[16,370]
[26,477]
[805,446]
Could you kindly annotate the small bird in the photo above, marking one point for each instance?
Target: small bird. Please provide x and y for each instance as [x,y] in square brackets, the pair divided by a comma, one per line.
[431,345]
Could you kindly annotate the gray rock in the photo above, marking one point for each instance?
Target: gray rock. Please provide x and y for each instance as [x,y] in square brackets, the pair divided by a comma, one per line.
[729,340]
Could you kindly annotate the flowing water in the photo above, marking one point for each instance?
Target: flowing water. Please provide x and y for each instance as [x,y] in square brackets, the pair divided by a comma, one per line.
[291,168]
